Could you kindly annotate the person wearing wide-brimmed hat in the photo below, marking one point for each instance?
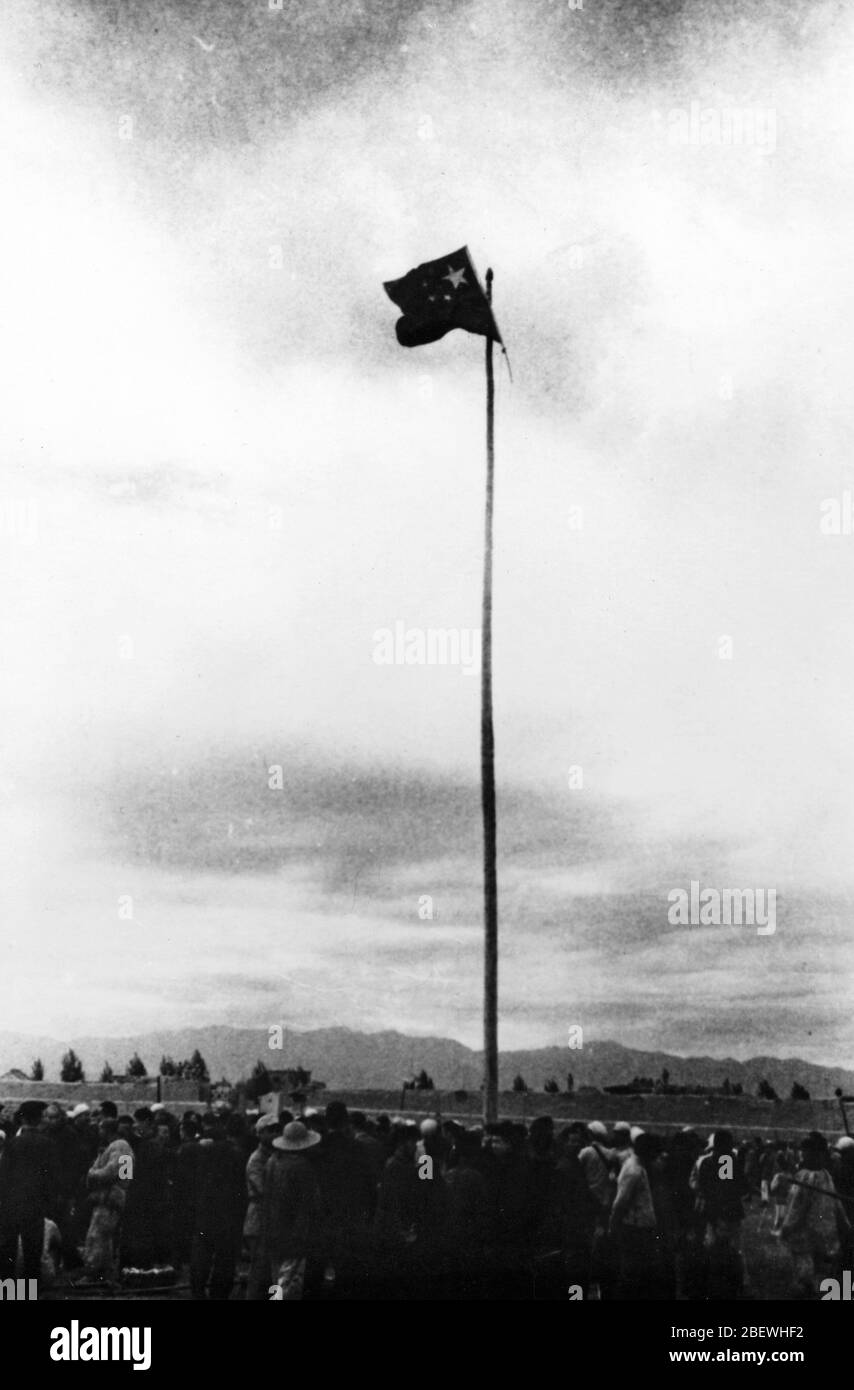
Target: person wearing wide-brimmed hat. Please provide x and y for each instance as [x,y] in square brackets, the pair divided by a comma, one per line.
[291,1212]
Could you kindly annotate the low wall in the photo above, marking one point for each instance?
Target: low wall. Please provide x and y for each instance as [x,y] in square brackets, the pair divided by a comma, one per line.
[706,1113]
[126,1094]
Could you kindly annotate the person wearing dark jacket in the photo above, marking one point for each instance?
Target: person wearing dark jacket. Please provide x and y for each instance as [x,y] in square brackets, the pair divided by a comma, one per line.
[147,1240]
[397,1220]
[578,1210]
[348,1193]
[71,1163]
[468,1219]
[370,1146]
[720,1187]
[219,1201]
[291,1210]
[29,1184]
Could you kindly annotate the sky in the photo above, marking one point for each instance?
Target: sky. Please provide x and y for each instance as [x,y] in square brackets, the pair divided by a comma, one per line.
[221,478]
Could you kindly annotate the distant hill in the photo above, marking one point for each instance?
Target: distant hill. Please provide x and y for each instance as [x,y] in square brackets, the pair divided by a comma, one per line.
[348,1059]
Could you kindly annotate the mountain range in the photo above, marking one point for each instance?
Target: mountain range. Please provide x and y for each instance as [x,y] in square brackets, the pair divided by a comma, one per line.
[350,1060]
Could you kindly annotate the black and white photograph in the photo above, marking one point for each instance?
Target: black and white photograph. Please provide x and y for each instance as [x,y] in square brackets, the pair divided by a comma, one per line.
[426,569]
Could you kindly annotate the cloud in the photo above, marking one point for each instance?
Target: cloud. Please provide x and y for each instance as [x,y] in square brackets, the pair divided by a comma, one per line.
[232,476]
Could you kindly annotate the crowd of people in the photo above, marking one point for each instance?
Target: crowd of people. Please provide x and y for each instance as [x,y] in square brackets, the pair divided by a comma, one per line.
[337,1205]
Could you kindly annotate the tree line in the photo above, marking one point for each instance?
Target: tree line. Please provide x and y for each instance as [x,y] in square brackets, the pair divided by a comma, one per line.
[71,1068]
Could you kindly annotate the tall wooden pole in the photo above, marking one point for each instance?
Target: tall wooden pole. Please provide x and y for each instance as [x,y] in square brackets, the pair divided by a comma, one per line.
[487,773]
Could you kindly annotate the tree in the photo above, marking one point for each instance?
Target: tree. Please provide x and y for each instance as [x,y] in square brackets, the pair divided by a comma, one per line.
[72,1067]
[424,1082]
[197,1069]
[260,1082]
[800,1092]
[766,1091]
[570,1083]
[136,1067]
[519,1083]
[37,1070]
[167,1066]
[665,1076]
[551,1087]
[107,1073]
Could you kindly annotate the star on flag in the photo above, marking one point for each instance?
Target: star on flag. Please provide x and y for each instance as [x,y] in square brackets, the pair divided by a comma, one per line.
[439,296]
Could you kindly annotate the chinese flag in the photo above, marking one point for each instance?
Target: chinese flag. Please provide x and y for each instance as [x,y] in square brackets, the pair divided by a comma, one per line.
[439,296]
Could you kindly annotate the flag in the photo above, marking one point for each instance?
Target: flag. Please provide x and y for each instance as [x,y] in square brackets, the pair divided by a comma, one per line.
[439,296]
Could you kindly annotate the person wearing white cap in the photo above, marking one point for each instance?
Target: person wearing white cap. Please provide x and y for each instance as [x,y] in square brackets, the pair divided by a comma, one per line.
[267,1128]
[81,1109]
[291,1208]
[430,1143]
[719,1184]
[842,1170]
[597,1163]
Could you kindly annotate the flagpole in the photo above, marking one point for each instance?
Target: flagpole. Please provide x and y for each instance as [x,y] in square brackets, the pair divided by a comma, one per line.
[487,772]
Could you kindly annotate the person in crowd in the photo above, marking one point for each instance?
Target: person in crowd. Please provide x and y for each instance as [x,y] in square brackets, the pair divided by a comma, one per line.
[597,1163]
[397,1218]
[239,1135]
[666,1217]
[720,1189]
[348,1193]
[751,1157]
[82,1119]
[816,1225]
[147,1225]
[578,1209]
[127,1129]
[84,1127]
[509,1268]
[218,1205]
[621,1143]
[186,1165]
[467,1218]
[372,1149]
[633,1226]
[780,1170]
[267,1128]
[291,1210]
[108,1180]
[29,1186]
[683,1150]
[541,1184]
[71,1163]
[768,1166]
[842,1172]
